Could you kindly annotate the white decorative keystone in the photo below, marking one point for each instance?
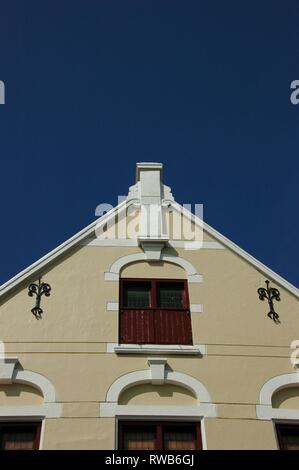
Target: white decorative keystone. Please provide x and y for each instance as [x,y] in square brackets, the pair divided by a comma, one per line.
[157,365]
[152,248]
[7,368]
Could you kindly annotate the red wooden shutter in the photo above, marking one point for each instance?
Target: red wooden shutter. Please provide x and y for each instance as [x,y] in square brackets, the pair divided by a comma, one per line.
[137,326]
[173,327]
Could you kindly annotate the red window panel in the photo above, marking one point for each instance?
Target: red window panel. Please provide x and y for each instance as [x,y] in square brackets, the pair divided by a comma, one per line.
[151,435]
[143,438]
[154,311]
[173,327]
[19,436]
[137,326]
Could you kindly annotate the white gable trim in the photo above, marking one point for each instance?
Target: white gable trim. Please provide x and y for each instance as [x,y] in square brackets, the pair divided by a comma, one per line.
[88,232]
[36,267]
[239,251]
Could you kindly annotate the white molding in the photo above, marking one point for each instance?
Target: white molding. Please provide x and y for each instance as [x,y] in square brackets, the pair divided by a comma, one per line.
[38,381]
[42,434]
[116,267]
[275,384]
[157,366]
[89,231]
[112,306]
[58,251]
[206,244]
[144,376]
[120,263]
[152,248]
[265,410]
[239,251]
[186,265]
[110,410]
[195,278]
[7,367]
[196,350]
[50,408]
[203,433]
[141,166]
[125,381]
[192,384]
[111,277]
[196,308]
[47,410]
[110,242]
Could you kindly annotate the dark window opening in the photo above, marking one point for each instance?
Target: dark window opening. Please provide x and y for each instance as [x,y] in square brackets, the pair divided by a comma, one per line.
[137,295]
[159,436]
[288,436]
[19,436]
[170,295]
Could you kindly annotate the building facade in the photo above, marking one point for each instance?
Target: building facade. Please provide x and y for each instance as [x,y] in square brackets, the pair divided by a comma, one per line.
[148,338]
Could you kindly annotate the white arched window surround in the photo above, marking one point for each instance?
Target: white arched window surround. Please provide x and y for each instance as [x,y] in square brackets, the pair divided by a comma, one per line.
[120,263]
[265,410]
[11,374]
[111,408]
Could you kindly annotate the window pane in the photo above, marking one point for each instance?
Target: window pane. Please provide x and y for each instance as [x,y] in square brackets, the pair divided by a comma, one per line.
[159,436]
[170,295]
[18,438]
[289,436]
[180,440]
[137,295]
[140,439]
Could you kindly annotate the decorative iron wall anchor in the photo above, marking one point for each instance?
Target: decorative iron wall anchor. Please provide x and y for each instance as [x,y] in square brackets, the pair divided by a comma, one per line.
[270,293]
[38,289]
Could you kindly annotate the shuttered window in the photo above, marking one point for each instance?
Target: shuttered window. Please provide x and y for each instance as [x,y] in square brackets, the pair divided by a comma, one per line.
[170,295]
[137,295]
[159,436]
[154,311]
[19,436]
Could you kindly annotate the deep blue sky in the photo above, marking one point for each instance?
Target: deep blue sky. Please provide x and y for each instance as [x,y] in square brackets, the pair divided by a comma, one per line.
[92,86]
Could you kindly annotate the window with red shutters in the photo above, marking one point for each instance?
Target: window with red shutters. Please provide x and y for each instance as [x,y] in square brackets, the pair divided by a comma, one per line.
[19,436]
[150,435]
[154,311]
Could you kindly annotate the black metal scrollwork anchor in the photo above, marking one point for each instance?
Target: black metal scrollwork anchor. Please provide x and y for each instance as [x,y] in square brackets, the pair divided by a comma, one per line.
[270,293]
[38,289]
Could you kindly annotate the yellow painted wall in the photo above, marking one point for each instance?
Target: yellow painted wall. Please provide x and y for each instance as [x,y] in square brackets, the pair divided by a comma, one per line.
[17,394]
[68,346]
[148,394]
[287,398]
